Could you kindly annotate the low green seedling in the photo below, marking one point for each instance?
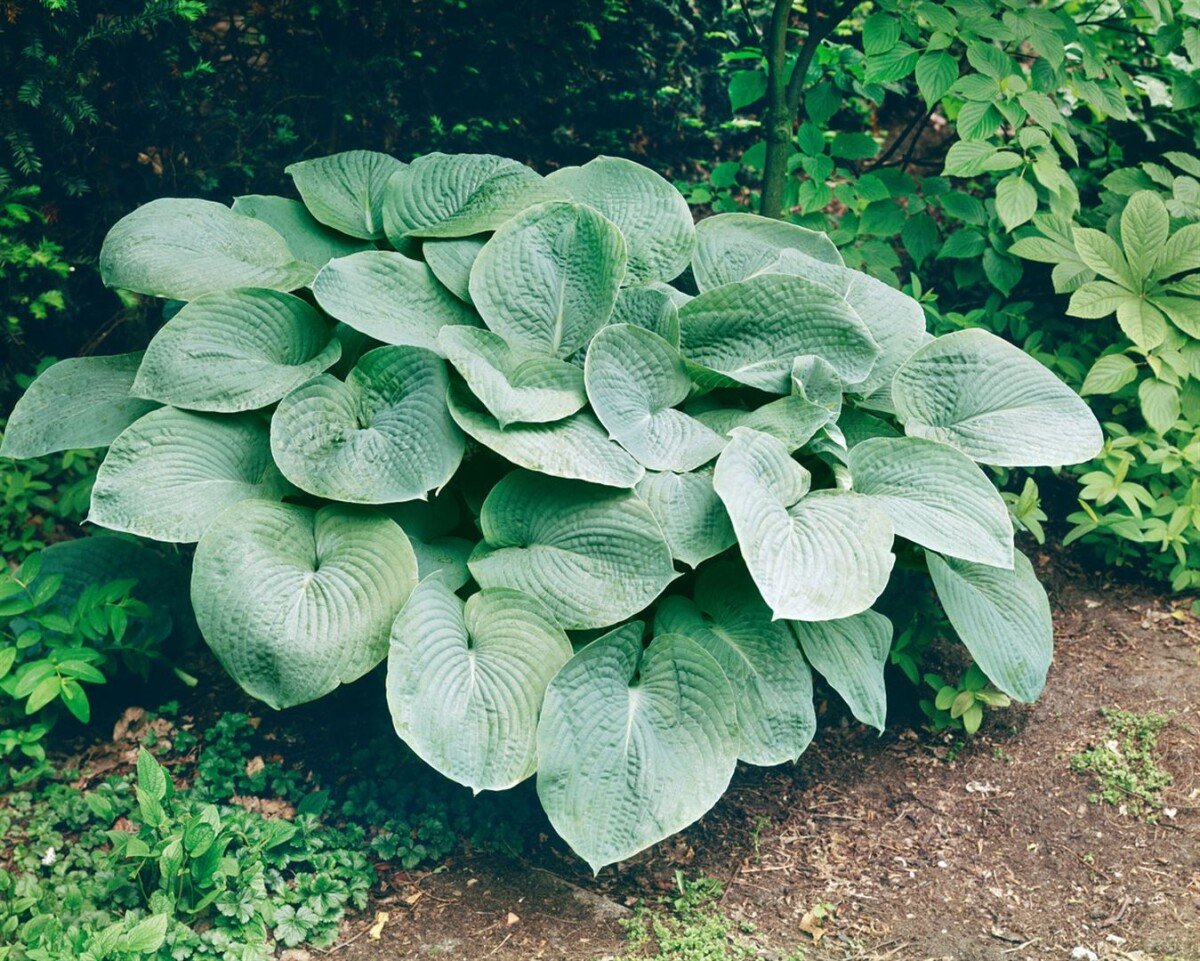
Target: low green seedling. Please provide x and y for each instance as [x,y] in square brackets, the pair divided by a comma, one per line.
[1125,764]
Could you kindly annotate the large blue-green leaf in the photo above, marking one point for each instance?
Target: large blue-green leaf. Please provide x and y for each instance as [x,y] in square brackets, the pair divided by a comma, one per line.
[383,435]
[547,279]
[634,380]
[592,555]
[772,685]
[515,385]
[651,306]
[236,351]
[895,320]
[346,190]
[456,195]
[689,512]
[79,403]
[171,472]
[634,744]
[576,447]
[389,297]
[184,248]
[936,496]
[295,601]
[750,332]
[451,262]
[309,241]
[994,402]
[814,556]
[465,682]
[851,653]
[732,247]
[652,215]
[1003,618]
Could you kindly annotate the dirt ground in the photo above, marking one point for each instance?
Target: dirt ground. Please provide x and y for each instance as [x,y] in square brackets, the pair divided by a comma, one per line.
[992,855]
[918,846]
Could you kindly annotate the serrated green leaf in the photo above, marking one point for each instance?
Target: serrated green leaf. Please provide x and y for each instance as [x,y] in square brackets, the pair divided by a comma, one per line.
[1145,226]
[1016,201]
[936,73]
[1109,374]
[1159,403]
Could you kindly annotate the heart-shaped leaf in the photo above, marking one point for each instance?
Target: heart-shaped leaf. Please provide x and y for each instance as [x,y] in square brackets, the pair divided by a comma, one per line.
[652,215]
[592,555]
[547,279]
[732,247]
[1003,618]
[689,512]
[814,557]
[851,653]
[772,685]
[389,297]
[309,241]
[456,195]
[576,447]
[634,744]
[634,380]
[236,351]
[383,435]
[465,682]
[171,472]
[346,190]
[515,385]
[185,248]
[994,402]
[76,404]
[936,497]
[751,331]
[295,601]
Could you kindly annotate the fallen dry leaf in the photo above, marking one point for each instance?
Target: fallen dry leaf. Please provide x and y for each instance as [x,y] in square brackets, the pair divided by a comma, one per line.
[376,932]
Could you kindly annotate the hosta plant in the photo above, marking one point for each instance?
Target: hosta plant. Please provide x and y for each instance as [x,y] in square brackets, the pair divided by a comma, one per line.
[602,487]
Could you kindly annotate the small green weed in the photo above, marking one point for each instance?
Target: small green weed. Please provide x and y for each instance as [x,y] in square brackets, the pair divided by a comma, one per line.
[1125,764]
[693,927]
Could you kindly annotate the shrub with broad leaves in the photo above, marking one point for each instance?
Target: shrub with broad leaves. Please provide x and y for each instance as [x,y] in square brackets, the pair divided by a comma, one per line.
[674,467]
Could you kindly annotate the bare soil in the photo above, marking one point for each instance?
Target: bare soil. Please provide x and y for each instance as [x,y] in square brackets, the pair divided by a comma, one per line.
[920,846]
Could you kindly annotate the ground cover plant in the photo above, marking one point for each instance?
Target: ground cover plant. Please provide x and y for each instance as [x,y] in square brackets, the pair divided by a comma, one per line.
[667,503]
